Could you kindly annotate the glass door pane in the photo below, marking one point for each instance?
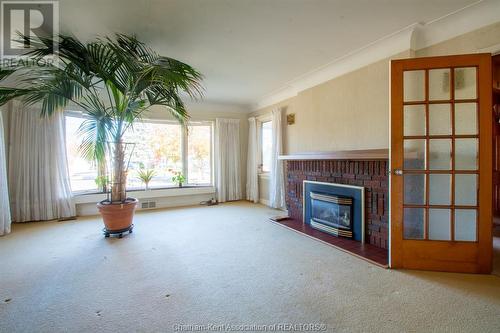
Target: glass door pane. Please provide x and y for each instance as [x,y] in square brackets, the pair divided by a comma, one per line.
[439,119]
[465,83]
[414,86]
[439,84]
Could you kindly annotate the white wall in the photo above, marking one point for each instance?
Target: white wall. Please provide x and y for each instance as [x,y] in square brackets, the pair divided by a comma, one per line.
[163,198]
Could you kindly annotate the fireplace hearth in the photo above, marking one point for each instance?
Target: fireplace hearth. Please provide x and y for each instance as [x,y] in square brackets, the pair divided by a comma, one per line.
[317,172]
[370,174]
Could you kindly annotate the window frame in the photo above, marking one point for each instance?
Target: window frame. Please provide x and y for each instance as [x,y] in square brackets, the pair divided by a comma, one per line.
[184,152]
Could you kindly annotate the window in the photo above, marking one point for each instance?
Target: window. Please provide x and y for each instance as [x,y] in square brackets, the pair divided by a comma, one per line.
[165,147]
[158,147]
[82,172]
[199,146]
[266,144]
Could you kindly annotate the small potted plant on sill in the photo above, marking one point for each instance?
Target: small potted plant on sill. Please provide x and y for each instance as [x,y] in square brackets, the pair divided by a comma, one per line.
[145,175]
[102,183]
[114,81]
[178,178]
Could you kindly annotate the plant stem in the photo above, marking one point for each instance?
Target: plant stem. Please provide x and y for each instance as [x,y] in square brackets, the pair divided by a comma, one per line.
[118,193]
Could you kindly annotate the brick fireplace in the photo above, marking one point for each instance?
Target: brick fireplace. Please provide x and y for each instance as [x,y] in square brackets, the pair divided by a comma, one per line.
[371,173]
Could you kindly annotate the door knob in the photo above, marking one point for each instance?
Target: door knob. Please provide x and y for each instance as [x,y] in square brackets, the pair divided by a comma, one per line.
[398,172]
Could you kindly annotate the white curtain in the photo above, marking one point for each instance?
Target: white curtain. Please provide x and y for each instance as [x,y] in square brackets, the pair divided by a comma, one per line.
[4,191]
[227,159]
[38,167]
[276,176]
[252,162]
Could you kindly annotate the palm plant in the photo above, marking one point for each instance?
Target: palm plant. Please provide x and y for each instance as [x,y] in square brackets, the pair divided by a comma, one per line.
[114,80]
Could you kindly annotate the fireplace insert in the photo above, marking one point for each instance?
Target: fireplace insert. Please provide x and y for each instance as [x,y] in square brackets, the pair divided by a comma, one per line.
[332,214]
[337,209]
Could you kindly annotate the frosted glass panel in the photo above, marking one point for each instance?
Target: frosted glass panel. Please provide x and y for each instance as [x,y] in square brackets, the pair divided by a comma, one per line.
[465,83]
[439,224]
[414,122]
[466,154]
[440,119]
[413,227]
[414,154]
[465,225]
[465,190]
[465,118]
[414,85]
[439,84]
[414,189]
[440,154]
[439,189]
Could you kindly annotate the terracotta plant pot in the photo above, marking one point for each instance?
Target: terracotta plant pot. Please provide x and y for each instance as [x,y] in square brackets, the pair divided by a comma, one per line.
[117,216]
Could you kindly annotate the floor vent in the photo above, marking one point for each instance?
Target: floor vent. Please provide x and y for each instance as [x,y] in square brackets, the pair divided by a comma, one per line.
[148,204]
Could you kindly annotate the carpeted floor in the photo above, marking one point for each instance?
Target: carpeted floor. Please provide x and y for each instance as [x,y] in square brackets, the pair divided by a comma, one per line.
[220,265]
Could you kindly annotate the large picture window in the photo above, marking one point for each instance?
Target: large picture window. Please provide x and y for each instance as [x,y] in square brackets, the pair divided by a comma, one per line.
[165,147]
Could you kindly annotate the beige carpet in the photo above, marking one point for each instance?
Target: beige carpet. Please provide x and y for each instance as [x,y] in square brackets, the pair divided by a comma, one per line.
[220,265]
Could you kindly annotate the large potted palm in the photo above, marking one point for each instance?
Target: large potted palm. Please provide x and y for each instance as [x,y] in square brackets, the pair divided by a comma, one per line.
[114,81]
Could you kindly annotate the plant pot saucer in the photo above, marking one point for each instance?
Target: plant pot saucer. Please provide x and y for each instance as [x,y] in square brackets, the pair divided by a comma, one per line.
[107,233]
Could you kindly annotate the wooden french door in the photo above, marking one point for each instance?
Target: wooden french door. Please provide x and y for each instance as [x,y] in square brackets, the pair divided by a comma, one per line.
[441,162]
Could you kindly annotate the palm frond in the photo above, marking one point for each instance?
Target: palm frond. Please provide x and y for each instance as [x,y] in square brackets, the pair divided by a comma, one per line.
[54,94]
[114,80]
[96,132]
[8,94]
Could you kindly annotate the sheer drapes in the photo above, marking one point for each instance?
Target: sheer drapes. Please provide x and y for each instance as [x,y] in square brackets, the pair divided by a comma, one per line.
[227,159]
[4,191]
[276,179]
[38,168]
[252,162]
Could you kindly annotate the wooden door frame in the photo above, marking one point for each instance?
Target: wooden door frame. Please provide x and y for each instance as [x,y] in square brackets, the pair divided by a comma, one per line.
[479,258]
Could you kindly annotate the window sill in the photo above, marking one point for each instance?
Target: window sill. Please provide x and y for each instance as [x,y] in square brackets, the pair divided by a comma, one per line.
[142,194]
[264,175]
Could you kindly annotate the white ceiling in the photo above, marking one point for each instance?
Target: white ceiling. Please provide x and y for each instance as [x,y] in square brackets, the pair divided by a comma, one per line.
[249,48]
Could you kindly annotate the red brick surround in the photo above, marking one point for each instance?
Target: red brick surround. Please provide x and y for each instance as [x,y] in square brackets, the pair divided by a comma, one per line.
[370,174]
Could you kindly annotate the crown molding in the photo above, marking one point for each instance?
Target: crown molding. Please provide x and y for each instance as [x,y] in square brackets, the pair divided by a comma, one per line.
[494,50]
[413,37]
[459,22]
